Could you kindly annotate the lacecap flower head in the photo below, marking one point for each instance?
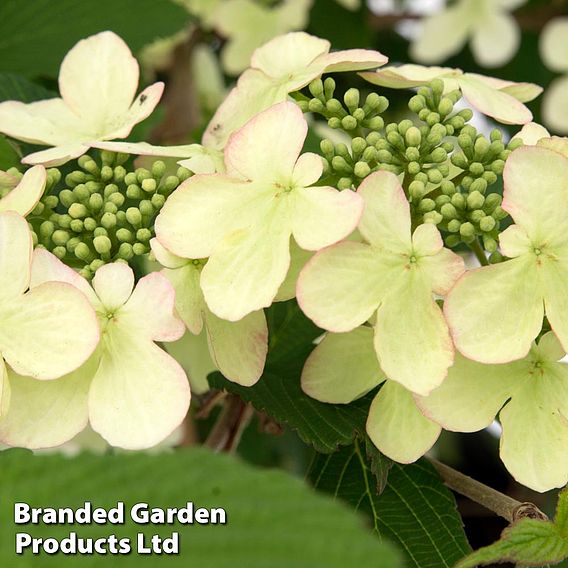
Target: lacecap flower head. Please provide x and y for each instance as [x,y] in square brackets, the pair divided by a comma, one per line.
[393,276]
[130,391]
[98,79]
[242,221]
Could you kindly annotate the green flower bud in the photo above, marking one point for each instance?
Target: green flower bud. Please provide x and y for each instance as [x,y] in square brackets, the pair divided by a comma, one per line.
[158,168]
[372,138]
[90,224]
[108,220]
[81,193]
[487,224]
[100,231]
[458,201]
[304,105]
[133,216]
[143,235]
[119,174]
[495,257]
[478,185]
[498,166]
[130,178]
[124,236]
[96,202]
[358,145]
[67,197]
[437,86]
[372,103]
[417,103]
[334,107]
[72,243]
[413,137]
[86,273]
[476,168]
[491,201]
[447,187]
[448,211]
[76,226]
[60,252]
[169,184]
[438,155]
[370,154]
[125,251]
[134,192]
[315,105]
[75,178]
[89,165]
[103,245]
[351,98]
[117,198]
[413,168]
[110,189]
[93,187]
[334,122]
[475,200]
[476,216]
[146,208]
[460,161]
[51,201]
[158,200]
[139,249]
[384,156]
[107,173]
[446,106]
[38,209]
[110,207]
[375,123]
[361,169]
[412,154]
[316,88]
[108,157]
[340,165]
[442,200]
[416,189]
[426,205]
[432,217]
[489,177]
[452,241]
[78,211]
[344,183]
[46,229]
[328,87]
[348,123]
[82,252]
[499,213]
[454,225]
[435,176]
[96,264]
[467,230]
[466,114]
[481,147]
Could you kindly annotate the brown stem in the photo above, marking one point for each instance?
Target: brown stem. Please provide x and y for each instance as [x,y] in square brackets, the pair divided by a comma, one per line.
[227,431]
[503,505]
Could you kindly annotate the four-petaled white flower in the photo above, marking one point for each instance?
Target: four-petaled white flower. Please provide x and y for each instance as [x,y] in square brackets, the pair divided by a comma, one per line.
[499,99]
[239,348]
[45,332]
[283,65]
[494,32]
[130,391]
[393,276]
[98,81]
[243,221]
[531,397]
[495,312]
[554,52]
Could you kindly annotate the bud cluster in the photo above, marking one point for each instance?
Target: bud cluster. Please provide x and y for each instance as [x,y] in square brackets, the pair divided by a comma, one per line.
[350,115]
[104,213]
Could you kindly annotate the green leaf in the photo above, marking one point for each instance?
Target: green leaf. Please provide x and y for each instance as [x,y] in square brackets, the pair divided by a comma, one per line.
[529,542]
[278,392]
[415,509]
[14,87]
[9,157]
[273,519]
[35,35]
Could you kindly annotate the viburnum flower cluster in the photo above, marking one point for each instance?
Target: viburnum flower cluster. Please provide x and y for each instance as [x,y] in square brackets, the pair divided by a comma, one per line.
[371,236]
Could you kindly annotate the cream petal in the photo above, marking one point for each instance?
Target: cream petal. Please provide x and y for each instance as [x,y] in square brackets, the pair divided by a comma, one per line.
[493,102]
[555,104]
[205,209]
[98,78]
[411,336]
[443,270]
[408,76]
[341,287]
[150,309]
[113,284]
[323,216]
[535,435]
[164,256]
[554,279]
[499,28]
[298,259]
[48,332]
[45,414]
[343,367]
[238,348]
[472,394]
[553,45]
[268,146]
[550,348]
[56,156]
[541,213]
[442,35]
[26,195]
[352,60]
[15,256]
[189,300]
[531,133]
[288,54]
[246,271]
[44,122]
[5,394]
[495,312]
[145,149]
[555,143]
[397,427]
[307,170]
[139,394]
[46,267]
[386,217]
